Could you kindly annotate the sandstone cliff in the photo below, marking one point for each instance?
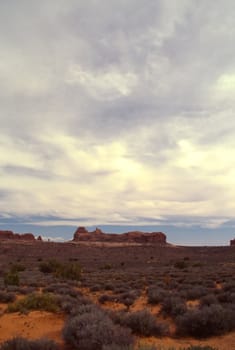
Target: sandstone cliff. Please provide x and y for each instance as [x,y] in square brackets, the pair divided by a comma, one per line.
[81,234]
[9,235]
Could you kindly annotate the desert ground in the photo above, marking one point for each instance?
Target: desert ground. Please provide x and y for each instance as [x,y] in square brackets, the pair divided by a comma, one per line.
[150,290]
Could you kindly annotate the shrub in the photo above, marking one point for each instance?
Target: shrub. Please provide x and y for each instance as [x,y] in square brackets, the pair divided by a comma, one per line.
[96,288]
[173,306]
[208,300]
[196,292]
[181,264]
[205,322]
[19,343]
[143,323]
[127,298]
[226,297]
[46,302]
[11,278]
[147,347]
[199,347]
[117,347]
[72,305]
[17,268]
[106,267]
[7,297]
[155,295]
[49,266]
[104,297]
[27,290]
[69,270]
[92,330]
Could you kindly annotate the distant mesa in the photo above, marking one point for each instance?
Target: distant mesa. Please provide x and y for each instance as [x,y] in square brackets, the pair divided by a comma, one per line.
[83,235]
[9,235]
[232,242]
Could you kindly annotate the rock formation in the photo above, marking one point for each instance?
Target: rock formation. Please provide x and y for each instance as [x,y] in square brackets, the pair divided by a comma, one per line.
[232,242]
[81,234]
[9,235]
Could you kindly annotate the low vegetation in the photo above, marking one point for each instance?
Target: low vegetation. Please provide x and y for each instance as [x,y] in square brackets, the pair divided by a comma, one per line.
[92,329]
[20,343]
[112,297]
[69,270]
[35,301]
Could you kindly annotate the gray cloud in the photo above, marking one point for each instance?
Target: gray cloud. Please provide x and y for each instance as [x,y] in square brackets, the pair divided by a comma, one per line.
[118,99]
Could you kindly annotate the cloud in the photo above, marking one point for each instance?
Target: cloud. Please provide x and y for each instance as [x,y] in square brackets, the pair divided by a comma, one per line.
[117,111]
[106,85]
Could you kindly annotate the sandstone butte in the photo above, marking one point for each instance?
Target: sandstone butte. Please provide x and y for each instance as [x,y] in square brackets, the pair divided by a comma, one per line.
[9,235]
[81,234]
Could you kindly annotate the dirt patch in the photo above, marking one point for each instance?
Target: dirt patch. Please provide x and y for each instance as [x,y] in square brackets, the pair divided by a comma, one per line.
[36,324]
[192,304]
[221,343]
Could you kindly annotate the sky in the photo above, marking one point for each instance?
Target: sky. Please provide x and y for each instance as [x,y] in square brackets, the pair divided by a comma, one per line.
[118,114]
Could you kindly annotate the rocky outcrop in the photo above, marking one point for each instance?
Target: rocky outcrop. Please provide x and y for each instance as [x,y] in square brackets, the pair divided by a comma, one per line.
[232,242]
[9,235]
[81,234]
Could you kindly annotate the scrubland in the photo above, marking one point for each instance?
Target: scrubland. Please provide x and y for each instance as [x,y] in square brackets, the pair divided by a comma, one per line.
[102,297]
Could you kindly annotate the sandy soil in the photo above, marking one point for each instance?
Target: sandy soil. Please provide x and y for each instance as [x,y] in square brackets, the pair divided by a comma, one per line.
[36,324]
[226,342]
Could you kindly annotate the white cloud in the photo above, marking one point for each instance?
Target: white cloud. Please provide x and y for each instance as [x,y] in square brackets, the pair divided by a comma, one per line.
[106,85]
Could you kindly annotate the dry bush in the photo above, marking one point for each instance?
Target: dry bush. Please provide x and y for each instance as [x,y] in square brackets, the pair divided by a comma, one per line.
[20,343]
[94,329]
[142,323]
[205,322]
[7,297]
[173,306]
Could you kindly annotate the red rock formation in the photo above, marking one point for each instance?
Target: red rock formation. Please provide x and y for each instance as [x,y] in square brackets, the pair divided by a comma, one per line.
[27,237]
[232,242]
[81,234]
[16,236]
[6,235]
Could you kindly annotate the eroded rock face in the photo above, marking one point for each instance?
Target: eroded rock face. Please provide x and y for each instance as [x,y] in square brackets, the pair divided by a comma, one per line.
[6,235]
[81,234]
[16,236]
[232,242]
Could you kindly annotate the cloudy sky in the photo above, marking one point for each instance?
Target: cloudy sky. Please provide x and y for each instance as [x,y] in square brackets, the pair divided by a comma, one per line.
[118,113]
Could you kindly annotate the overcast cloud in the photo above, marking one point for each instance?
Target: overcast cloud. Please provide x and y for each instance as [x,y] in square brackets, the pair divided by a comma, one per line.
[118,112]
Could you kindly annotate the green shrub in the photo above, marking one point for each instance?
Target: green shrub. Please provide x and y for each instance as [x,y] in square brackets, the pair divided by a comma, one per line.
[46,302]
[181,264]
[69,270]
[49,266]
[17,268]
[11,278]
